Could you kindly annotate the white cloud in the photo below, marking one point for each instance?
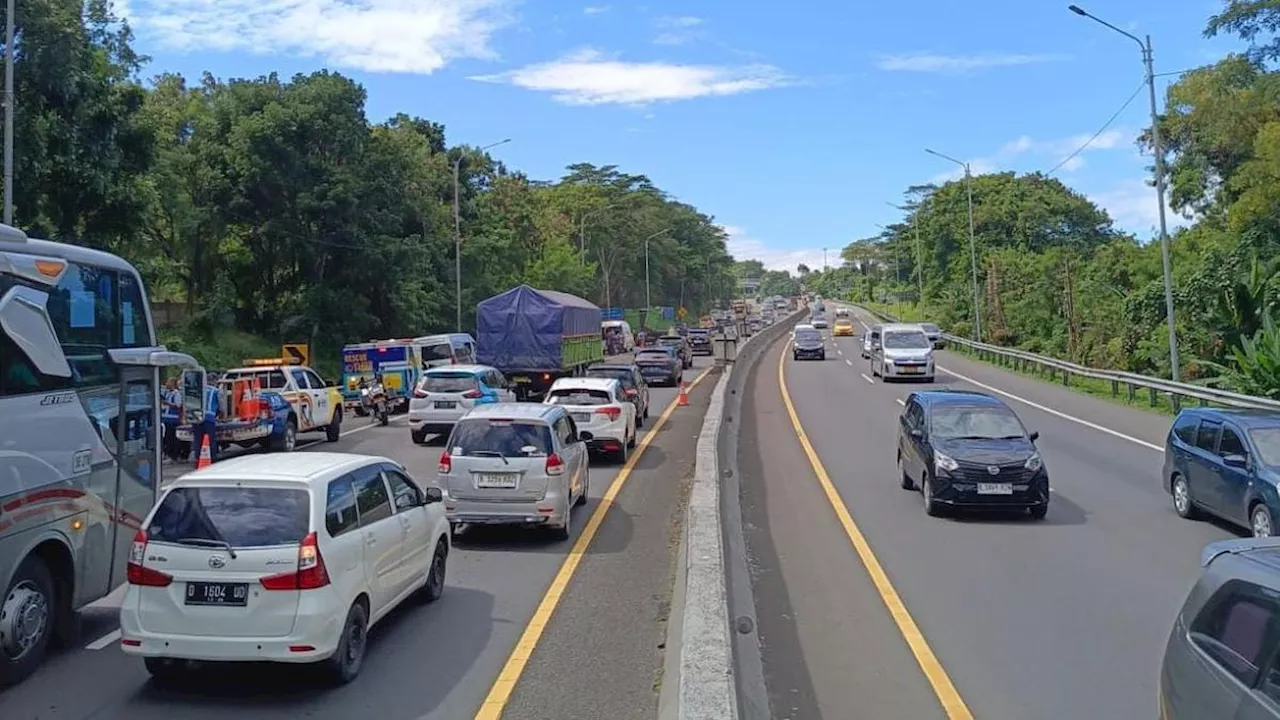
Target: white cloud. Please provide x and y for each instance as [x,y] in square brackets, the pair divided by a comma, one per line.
[1073,164]
[589,78]
[926,62]
[595,9]
[1046,152]
[405,36]
[743,246]
[1132,206]
[677,30]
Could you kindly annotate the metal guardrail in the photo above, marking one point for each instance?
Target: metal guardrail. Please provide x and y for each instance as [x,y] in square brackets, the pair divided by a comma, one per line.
[1024,361]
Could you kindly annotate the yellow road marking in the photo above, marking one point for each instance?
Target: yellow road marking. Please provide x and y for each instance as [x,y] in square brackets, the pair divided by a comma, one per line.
[500,692]
[938,679]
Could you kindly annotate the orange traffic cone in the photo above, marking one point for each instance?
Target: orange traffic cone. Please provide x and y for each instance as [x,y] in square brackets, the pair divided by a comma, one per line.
[206,456]
[683,399]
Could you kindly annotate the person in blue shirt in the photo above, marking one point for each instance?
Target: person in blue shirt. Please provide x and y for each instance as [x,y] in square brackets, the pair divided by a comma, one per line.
[170,417]
[208,425]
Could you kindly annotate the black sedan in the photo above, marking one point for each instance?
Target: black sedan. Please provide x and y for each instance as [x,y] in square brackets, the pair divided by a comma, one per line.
[660,365]
[969,450]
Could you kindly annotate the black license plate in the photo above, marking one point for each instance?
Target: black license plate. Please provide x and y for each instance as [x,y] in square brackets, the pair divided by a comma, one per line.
[214,593]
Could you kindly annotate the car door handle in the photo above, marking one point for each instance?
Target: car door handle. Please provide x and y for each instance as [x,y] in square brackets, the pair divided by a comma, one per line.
[370,540]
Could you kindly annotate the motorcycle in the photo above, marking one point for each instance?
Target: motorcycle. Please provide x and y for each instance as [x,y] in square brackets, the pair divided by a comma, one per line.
[374,399]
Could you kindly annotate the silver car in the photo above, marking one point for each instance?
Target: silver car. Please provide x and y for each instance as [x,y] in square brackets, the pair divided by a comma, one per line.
[515,464]
[1221,658]
[871,340]
[904,353]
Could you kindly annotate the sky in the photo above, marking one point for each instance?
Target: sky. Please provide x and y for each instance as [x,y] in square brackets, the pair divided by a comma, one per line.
[795,127]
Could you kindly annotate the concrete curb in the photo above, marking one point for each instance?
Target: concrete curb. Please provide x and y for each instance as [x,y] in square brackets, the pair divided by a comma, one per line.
[708,687]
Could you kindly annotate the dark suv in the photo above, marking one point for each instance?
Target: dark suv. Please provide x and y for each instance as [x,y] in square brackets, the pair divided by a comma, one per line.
[969,450]
[681,347]
[700,341]
[634,387]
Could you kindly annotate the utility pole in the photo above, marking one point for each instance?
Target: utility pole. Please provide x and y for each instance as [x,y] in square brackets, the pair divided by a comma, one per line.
[1148,62]
[9,103]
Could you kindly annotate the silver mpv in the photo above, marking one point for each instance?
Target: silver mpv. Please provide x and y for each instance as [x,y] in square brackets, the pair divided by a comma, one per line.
[515,464]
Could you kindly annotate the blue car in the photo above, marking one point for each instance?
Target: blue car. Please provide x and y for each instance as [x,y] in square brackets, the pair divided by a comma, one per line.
[1226,463]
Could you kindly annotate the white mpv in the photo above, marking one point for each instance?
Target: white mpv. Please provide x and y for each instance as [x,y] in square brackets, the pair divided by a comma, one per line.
[600,410]
[280,558]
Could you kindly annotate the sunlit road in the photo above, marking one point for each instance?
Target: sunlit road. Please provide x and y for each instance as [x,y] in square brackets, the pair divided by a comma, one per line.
[1062,618]
[440,661]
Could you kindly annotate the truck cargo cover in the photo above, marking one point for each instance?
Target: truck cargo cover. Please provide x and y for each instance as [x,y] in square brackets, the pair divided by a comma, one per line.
[523,328]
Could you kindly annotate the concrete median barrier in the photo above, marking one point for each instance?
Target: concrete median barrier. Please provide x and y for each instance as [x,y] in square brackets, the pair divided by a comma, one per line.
[712,666]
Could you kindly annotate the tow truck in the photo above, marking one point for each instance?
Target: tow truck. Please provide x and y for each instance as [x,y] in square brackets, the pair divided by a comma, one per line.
[268,401]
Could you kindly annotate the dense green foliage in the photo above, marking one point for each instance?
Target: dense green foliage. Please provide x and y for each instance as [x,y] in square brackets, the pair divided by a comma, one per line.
[1055,277]
[275,206]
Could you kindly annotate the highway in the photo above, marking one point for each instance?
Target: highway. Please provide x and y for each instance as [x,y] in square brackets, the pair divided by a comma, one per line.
[994,617]
[504,641]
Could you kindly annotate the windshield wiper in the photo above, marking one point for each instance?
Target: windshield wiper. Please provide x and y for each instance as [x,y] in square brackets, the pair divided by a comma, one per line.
[206,542]
[491,453]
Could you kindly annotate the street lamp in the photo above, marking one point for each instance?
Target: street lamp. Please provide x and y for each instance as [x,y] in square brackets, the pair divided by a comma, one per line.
[973,245]
[648,303]
[1149,63]
[919,254]
[457,230]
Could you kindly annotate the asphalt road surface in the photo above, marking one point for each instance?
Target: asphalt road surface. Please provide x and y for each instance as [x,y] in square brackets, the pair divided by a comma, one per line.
[599,655]
[1061,618]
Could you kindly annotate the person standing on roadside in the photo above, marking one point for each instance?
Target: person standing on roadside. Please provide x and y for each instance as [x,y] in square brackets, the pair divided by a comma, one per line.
[208,425]
[170,418]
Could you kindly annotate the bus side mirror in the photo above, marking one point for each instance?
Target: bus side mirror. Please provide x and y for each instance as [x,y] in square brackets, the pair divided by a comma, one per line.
[24,317]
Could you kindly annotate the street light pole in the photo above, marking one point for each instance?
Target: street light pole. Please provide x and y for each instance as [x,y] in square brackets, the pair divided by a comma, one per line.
[1148,61]
[648,302]
[824,259]
[457,229]
[973,245]
[8,112]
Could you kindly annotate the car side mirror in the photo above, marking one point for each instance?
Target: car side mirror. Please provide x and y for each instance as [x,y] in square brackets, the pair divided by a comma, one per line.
[432,495]
[917,434]
[1034,436]
[585,436]
[1235,461]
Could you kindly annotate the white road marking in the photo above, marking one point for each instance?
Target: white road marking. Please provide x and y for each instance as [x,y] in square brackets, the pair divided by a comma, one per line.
[1051,411]
[864,377]
[848,362]
[345,433]
[104,641]
[900,401]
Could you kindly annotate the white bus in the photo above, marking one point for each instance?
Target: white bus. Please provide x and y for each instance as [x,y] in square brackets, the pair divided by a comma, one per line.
[79,436]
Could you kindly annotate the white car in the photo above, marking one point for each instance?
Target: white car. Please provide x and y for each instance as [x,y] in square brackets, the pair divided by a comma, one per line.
[280,558]
[904,352]
[599,408]
[444,394]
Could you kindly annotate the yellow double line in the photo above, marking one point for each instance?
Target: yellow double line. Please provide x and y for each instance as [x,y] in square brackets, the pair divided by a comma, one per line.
[938,678]
[500,693]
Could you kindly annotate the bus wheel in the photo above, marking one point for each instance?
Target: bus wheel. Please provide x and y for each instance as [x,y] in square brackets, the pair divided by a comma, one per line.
[26,620]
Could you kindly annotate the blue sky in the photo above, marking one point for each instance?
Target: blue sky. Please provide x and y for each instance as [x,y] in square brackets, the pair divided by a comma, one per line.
[792,125]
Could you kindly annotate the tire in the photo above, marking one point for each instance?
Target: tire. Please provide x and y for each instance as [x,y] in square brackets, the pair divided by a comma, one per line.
[564,533]
[795,357]
[1039,512]
[418,437]
[1183,501]
[822,356]
[646,410]
[624,454]
[434,587]
[345,663]
[333,433]
[586,490]
[904,479]
[1260,520]
[31,587]
[932,507]
[288,439]
[632,443]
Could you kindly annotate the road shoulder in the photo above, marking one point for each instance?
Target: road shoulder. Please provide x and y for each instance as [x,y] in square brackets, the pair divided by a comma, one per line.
[602,653]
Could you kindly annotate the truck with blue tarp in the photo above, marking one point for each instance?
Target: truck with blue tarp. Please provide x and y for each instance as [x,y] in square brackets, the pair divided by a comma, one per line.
[536,336]
[397,360]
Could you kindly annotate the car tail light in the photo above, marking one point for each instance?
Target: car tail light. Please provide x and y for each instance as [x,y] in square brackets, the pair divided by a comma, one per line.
[137,573]
[473,394]
[555,465]
[446,463]
[612,412]
[311,572]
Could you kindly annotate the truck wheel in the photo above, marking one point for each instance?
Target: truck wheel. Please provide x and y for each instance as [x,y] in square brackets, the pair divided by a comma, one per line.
[287,440]
[333,433]
[26,620]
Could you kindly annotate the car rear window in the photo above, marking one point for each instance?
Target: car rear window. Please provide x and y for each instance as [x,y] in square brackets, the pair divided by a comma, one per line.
[442,351]
[622,375]
[240,516]
[808,335]
[662,355]
[931,328]
[578,396]
[486,436]
[449,382]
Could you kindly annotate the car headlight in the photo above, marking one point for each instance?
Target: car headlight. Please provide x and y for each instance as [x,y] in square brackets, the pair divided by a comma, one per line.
[945,462]
[1034,463]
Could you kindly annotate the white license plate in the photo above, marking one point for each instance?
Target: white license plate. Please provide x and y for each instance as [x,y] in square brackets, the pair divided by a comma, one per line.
[995,489]
[446,405]
[582,418]
[496,481]
[911,370]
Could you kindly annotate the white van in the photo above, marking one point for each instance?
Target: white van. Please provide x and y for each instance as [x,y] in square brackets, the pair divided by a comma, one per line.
[609,327]
[445,349]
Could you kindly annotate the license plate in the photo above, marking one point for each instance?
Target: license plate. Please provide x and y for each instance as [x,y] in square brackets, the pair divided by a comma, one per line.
[496,481]
[911,370]
[995,489]
[214,593]
[520,379]
[582,418]
[445,404]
